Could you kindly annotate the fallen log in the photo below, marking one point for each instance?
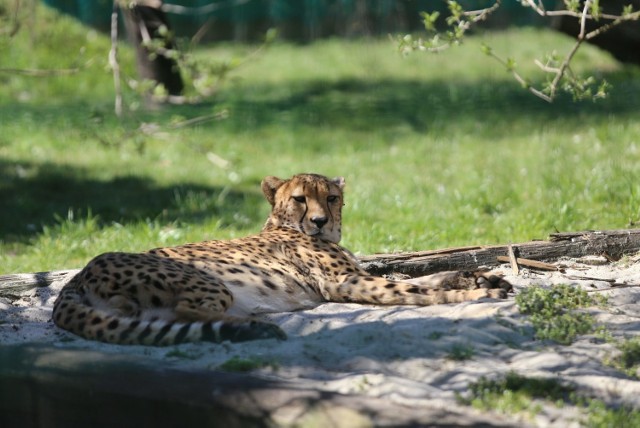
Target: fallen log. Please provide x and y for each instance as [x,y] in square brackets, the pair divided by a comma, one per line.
[519,261]
[611,243]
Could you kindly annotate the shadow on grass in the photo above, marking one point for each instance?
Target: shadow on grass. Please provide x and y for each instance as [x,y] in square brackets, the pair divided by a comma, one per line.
[423,106]
[32,194]
[36,195]
[493,107]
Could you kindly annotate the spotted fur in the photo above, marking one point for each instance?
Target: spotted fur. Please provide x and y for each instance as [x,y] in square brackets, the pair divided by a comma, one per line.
[210,291]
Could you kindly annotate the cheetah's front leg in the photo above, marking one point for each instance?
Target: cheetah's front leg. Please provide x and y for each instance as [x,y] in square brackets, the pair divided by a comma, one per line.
[462,287]
[461,280]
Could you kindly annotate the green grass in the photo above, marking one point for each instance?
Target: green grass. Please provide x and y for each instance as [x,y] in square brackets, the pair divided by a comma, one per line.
[628,361]
[461,352]
[553,312]
[602,416]
[437,151]
[517,394]
[241,365]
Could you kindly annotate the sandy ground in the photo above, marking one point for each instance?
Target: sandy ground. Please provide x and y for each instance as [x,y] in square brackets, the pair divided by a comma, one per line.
[401,354]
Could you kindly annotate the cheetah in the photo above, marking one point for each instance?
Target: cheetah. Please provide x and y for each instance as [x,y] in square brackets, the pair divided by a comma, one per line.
[212,290]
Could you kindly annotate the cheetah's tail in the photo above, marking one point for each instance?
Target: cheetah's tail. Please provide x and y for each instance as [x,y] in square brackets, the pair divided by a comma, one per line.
[72,314]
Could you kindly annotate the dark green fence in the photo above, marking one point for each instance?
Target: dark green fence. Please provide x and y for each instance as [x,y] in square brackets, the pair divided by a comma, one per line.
[295,19]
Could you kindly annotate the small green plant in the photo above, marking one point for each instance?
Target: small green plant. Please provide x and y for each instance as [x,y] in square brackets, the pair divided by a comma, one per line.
[629,360]
[553,312]
[601,416]
[461,352]
[242,365]
[435,335]
[515,393]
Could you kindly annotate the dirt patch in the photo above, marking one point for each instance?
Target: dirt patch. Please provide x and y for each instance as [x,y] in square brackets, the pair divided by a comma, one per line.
[390,358]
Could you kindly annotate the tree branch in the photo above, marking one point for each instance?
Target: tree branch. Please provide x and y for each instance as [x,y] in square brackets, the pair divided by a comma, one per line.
[579,87]
[113,60]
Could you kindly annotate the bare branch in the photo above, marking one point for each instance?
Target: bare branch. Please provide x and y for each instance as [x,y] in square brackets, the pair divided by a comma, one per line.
[40,72]
[521,79]
[565,63]
[482,14]
[201,10]
[460,21]
[113,60]
[540,10]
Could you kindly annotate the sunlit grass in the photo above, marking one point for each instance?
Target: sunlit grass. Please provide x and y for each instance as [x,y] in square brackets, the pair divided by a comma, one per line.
[437,150]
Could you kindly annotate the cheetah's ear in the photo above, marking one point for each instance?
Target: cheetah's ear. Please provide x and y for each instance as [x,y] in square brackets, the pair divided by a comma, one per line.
[338,181]
[270,185]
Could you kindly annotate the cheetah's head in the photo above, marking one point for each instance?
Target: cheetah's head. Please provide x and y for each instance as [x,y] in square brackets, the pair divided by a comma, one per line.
[309,203]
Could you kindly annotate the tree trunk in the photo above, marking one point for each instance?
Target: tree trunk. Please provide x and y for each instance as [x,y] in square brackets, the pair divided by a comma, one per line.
[144,21]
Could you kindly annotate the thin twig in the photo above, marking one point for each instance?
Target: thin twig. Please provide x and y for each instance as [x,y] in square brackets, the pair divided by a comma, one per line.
[201,10]
[540,10]
[200,119]
[113,60]
[613,287]
[513,260]
[521,79]
[631,17]
[482,14]
[40,72]
[565,63]
[476,16]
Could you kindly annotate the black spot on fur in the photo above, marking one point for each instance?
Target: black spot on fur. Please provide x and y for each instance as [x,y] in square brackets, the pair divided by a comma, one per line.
[269,284]
[156,301]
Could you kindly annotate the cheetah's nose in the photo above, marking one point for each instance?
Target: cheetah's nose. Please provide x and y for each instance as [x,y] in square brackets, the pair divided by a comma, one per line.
[319,221]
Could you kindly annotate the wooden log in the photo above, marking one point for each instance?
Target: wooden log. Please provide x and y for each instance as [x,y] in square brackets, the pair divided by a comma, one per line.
[612,243]
[535,264]
[513,260]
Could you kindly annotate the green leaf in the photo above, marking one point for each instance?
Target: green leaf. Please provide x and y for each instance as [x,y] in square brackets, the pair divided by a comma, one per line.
[627,10]
[429,20]
[595,9]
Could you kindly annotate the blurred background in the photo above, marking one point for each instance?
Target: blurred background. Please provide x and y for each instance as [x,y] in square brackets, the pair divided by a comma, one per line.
[438,150]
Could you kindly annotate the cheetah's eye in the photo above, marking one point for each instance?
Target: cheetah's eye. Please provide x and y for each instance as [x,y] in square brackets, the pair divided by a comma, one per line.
[300,199]
[332,198]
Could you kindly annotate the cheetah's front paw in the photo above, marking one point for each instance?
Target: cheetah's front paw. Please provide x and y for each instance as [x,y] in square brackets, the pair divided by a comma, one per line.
[496,285]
